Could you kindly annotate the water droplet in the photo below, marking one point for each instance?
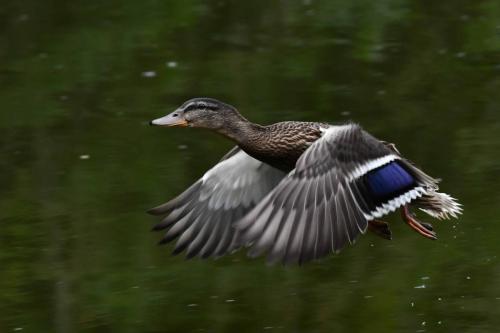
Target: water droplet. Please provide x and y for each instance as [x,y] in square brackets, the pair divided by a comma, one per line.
[192,305]
[171,64]
[230,300]
[84,157]
[422,286]
[149,74]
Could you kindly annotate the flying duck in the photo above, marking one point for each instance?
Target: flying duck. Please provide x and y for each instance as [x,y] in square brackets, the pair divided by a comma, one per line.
[295,190]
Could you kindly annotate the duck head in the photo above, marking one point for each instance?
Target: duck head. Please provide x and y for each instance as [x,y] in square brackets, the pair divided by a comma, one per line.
[203,113]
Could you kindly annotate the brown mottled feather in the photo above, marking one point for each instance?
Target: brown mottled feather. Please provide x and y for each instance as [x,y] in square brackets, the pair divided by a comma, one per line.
[280,145]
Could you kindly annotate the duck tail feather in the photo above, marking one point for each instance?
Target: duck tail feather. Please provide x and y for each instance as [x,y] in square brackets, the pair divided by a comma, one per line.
[439,205]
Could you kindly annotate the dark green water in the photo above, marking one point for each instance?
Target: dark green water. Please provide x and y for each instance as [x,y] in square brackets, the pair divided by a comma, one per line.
[79,80]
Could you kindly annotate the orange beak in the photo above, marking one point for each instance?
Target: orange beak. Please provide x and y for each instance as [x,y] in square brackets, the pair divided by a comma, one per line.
[174,119]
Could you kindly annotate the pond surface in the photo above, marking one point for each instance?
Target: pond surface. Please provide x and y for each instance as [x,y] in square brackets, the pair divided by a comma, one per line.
[79,81]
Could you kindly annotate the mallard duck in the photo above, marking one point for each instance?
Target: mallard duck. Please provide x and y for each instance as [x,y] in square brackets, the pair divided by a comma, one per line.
[297,191]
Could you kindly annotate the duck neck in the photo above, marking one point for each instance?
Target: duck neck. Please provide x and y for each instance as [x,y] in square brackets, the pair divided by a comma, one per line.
[241,131]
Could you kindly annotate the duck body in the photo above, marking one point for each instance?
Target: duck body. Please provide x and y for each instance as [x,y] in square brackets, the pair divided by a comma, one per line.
[296,190]
[281,144]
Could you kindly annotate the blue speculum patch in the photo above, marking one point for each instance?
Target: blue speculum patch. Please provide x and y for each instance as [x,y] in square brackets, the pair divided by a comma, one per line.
[389,180]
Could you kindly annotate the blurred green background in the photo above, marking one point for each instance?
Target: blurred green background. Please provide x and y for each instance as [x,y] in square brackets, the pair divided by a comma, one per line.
[79,80]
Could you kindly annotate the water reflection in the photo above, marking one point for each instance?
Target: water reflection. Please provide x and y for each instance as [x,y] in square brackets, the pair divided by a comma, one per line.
[80,80]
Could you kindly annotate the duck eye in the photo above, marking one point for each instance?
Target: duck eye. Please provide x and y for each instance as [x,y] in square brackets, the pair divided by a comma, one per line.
[175,115]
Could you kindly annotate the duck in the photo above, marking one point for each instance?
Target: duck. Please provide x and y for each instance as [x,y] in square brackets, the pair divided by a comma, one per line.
[295,191]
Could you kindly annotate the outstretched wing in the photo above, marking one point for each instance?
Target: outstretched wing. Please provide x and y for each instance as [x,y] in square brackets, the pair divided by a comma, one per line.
[343,180]
[203,216]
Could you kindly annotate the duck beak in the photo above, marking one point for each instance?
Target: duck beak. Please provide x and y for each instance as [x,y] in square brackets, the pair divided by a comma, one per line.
[176,118]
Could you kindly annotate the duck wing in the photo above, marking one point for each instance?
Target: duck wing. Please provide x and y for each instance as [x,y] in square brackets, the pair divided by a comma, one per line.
[202,217]
[344,179]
